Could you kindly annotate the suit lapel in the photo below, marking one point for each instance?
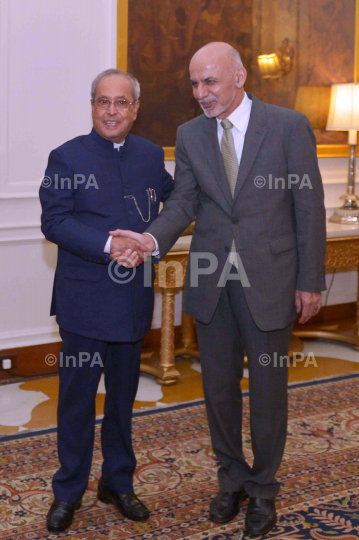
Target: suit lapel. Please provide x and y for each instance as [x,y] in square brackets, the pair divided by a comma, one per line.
[256,131]
[214,157]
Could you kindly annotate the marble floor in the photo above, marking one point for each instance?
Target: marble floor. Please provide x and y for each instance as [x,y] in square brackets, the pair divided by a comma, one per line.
[31,405]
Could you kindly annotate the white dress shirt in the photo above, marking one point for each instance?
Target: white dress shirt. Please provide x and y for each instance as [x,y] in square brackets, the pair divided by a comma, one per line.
[239,118]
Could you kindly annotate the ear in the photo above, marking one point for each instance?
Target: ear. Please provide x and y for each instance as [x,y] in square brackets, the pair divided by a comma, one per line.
[241,77]
[135,108]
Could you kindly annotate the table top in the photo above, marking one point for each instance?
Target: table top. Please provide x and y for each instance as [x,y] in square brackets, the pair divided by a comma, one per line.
[337,230]
[334,230]
[182,244]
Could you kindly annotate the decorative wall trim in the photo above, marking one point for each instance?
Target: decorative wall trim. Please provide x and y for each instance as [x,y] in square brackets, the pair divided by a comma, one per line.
[5,91]
[22,195]
[111,22]
[13,184]
[24,241]
[26,338]
[27,233]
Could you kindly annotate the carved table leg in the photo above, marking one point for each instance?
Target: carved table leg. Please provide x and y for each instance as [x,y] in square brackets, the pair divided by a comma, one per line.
[162,364]
[167,357]
[167,338]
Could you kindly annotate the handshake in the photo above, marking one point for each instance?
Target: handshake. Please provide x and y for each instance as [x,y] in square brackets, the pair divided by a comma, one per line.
[130,248]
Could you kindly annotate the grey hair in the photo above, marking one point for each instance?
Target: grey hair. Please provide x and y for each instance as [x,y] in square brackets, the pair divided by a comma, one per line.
[107,72]
[235,58]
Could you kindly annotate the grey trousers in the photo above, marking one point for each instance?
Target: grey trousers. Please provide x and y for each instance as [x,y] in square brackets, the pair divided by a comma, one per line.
[221,344]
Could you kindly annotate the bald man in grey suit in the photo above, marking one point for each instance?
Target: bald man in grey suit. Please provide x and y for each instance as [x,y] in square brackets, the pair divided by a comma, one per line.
[248,173]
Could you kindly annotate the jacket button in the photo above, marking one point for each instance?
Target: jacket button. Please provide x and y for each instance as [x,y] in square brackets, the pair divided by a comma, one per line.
[234,220]
[127,186]
[226,249]
[130,213]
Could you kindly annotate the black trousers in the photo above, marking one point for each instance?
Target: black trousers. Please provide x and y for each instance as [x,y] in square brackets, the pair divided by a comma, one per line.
[221,344]
[81,363]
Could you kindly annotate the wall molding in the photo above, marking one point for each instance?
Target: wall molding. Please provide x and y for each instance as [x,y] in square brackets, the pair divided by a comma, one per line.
[23,241]
[27,233]
[15,182]
[26,338]
[23,195]
[5,90]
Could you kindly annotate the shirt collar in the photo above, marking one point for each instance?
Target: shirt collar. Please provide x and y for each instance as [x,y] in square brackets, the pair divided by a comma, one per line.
[240,116]
[118,145]
[106,143]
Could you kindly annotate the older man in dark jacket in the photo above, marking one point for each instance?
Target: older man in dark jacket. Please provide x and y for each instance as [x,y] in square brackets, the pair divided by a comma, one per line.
[93,184]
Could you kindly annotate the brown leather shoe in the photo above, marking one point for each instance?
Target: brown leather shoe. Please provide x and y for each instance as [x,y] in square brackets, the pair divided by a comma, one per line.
[127,503]
[60,515]
[226,505]
[261,516]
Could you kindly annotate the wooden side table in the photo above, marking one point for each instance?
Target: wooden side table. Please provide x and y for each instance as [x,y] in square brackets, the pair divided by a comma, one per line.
[342,252]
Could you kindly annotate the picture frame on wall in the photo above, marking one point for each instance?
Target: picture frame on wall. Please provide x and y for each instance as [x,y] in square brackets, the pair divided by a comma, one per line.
[293,51]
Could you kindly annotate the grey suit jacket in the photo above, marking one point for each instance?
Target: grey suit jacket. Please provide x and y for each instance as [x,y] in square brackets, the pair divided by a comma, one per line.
[279,228]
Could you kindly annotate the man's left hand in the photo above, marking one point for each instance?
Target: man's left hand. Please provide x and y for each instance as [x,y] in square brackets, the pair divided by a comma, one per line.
[309,303]
[128,252]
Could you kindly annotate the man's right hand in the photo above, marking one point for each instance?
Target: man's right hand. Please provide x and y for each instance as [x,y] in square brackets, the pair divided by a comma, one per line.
[145,239]
[128,251]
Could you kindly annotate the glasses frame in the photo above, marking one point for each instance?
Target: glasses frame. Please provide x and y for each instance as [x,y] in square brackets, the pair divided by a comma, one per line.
[114,102]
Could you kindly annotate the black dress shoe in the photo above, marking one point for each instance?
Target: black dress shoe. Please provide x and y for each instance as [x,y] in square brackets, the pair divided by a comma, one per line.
[261,516]
[226,505]
[60,515]
[127,503]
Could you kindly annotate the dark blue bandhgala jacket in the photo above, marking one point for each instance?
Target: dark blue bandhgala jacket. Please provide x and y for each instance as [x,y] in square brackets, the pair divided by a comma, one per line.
[77,215]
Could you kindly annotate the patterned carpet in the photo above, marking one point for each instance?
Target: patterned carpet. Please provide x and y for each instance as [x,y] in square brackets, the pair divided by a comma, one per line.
[176,475]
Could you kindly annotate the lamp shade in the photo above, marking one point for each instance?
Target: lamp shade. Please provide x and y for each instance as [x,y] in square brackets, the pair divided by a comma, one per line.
[344,107]
[269,66]
[313,101]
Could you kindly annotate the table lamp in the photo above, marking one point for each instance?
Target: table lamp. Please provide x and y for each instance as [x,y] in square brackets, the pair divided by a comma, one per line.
[344,116]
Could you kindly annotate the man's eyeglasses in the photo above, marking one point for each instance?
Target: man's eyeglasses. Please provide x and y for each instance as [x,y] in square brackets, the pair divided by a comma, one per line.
[120,104]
